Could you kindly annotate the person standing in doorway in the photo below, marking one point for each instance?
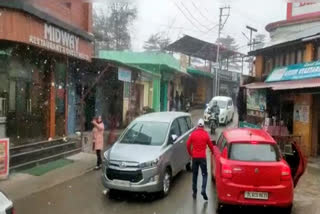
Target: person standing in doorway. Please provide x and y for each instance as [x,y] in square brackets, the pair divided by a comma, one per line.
[97,134]
[197,147]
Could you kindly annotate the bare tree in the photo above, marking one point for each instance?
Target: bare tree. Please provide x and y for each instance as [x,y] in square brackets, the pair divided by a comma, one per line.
[111,27]
[156,42]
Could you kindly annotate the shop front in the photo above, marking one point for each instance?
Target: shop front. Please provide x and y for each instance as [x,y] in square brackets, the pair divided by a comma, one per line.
[36,60]
[287,104]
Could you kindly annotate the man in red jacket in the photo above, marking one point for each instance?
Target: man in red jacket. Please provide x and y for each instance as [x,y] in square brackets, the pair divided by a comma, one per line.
[197,147]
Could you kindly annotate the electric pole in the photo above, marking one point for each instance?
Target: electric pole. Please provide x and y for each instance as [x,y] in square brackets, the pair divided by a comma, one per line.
[251,43]
[221,26]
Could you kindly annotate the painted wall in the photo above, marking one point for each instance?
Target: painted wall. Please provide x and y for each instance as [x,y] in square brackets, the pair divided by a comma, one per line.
[301,128]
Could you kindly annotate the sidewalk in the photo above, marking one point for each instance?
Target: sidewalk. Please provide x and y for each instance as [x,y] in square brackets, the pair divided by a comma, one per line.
[20,185]
[307,193]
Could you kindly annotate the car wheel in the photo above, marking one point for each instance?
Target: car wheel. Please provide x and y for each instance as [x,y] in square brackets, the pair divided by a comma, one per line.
[189,166]
[218,205]
[166,183]
[287,210]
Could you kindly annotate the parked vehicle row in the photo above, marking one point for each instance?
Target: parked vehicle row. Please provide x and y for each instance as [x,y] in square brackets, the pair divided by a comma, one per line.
[247,166]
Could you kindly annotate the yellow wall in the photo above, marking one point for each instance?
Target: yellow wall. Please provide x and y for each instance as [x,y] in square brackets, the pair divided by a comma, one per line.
[304,129]
[259,66]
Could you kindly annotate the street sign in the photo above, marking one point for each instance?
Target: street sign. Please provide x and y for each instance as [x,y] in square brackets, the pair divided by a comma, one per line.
[124,74]
[4,158]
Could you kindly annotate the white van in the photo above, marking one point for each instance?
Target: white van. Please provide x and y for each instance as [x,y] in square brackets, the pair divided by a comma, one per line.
[226,109]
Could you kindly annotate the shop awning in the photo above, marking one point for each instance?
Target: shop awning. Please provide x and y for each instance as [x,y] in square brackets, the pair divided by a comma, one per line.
[286,85]
[151,61]
[197,72]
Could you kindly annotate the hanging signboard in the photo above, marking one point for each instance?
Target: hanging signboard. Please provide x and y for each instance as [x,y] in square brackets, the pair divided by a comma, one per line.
[297,9]
[256,100]
[295,72]
[124,74]
[4,158]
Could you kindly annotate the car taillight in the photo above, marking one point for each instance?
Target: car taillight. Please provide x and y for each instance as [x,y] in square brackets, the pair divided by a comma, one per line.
[285,173]
[226,171]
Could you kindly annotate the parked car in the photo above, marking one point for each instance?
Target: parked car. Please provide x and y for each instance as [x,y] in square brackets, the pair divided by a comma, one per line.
[249,169]
[226,109]
[6,205]
[149,153]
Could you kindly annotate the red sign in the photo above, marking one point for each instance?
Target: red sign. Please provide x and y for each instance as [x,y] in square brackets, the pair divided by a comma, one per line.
[4,158]
[302,10]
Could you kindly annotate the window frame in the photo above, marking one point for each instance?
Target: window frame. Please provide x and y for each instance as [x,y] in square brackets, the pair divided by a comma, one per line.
[183,119]
[176,120]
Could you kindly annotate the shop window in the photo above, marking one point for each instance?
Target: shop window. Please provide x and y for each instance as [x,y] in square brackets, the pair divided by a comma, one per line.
[281,60]
[317,56]
[299,56]
[287,60]
[292,58]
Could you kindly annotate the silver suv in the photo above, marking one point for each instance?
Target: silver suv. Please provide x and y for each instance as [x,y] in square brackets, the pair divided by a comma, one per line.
[148,153]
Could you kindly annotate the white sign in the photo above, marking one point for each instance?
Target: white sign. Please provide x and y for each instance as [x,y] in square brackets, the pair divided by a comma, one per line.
[300,9]
[301,113]
[4,158]
[59,40]
[124,74]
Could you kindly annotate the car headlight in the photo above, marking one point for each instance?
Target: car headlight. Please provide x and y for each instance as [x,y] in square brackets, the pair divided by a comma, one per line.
[149,164]
[106,157]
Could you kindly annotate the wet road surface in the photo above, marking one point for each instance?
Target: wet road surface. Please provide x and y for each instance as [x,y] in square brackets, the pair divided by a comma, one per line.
[83,195]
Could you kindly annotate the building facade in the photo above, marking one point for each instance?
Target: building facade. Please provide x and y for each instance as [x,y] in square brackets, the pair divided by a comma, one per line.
[44,45]
[287,82]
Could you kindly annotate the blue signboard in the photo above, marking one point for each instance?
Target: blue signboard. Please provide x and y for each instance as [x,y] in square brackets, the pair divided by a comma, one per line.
[295,72]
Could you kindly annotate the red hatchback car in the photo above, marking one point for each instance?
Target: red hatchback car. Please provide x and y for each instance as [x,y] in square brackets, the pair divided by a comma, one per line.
[249,169]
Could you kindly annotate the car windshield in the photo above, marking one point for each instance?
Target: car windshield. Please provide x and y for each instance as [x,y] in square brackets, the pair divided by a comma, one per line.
[146,133]
[221,103]
[254,152]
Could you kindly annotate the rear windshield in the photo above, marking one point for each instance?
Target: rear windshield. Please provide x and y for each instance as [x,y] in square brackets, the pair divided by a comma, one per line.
[254,152]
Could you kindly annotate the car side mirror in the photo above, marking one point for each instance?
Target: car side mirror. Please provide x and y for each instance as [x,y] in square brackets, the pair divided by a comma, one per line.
[214,142]
[173,138]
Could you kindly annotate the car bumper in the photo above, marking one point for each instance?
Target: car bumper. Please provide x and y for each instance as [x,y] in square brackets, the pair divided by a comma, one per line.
[147,184]
[279,196]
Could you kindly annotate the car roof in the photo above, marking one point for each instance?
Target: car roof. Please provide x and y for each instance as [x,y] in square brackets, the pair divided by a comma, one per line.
[221,98]
[167,117]
[247,135]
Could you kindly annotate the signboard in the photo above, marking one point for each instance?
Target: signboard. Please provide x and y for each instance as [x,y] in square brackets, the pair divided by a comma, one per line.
[256,100]
[302,9]
[60,41]
[295,72]
[301,113]
[124,74]
[4,158]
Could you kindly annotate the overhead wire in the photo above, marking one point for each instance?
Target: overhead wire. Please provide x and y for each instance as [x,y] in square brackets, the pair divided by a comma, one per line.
[205,17]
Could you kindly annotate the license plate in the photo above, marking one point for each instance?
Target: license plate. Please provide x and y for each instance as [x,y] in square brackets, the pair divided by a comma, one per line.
[121,183]
[256,195]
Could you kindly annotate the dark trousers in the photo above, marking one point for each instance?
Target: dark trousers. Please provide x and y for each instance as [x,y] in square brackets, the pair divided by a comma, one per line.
[99,160]
[202,163]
